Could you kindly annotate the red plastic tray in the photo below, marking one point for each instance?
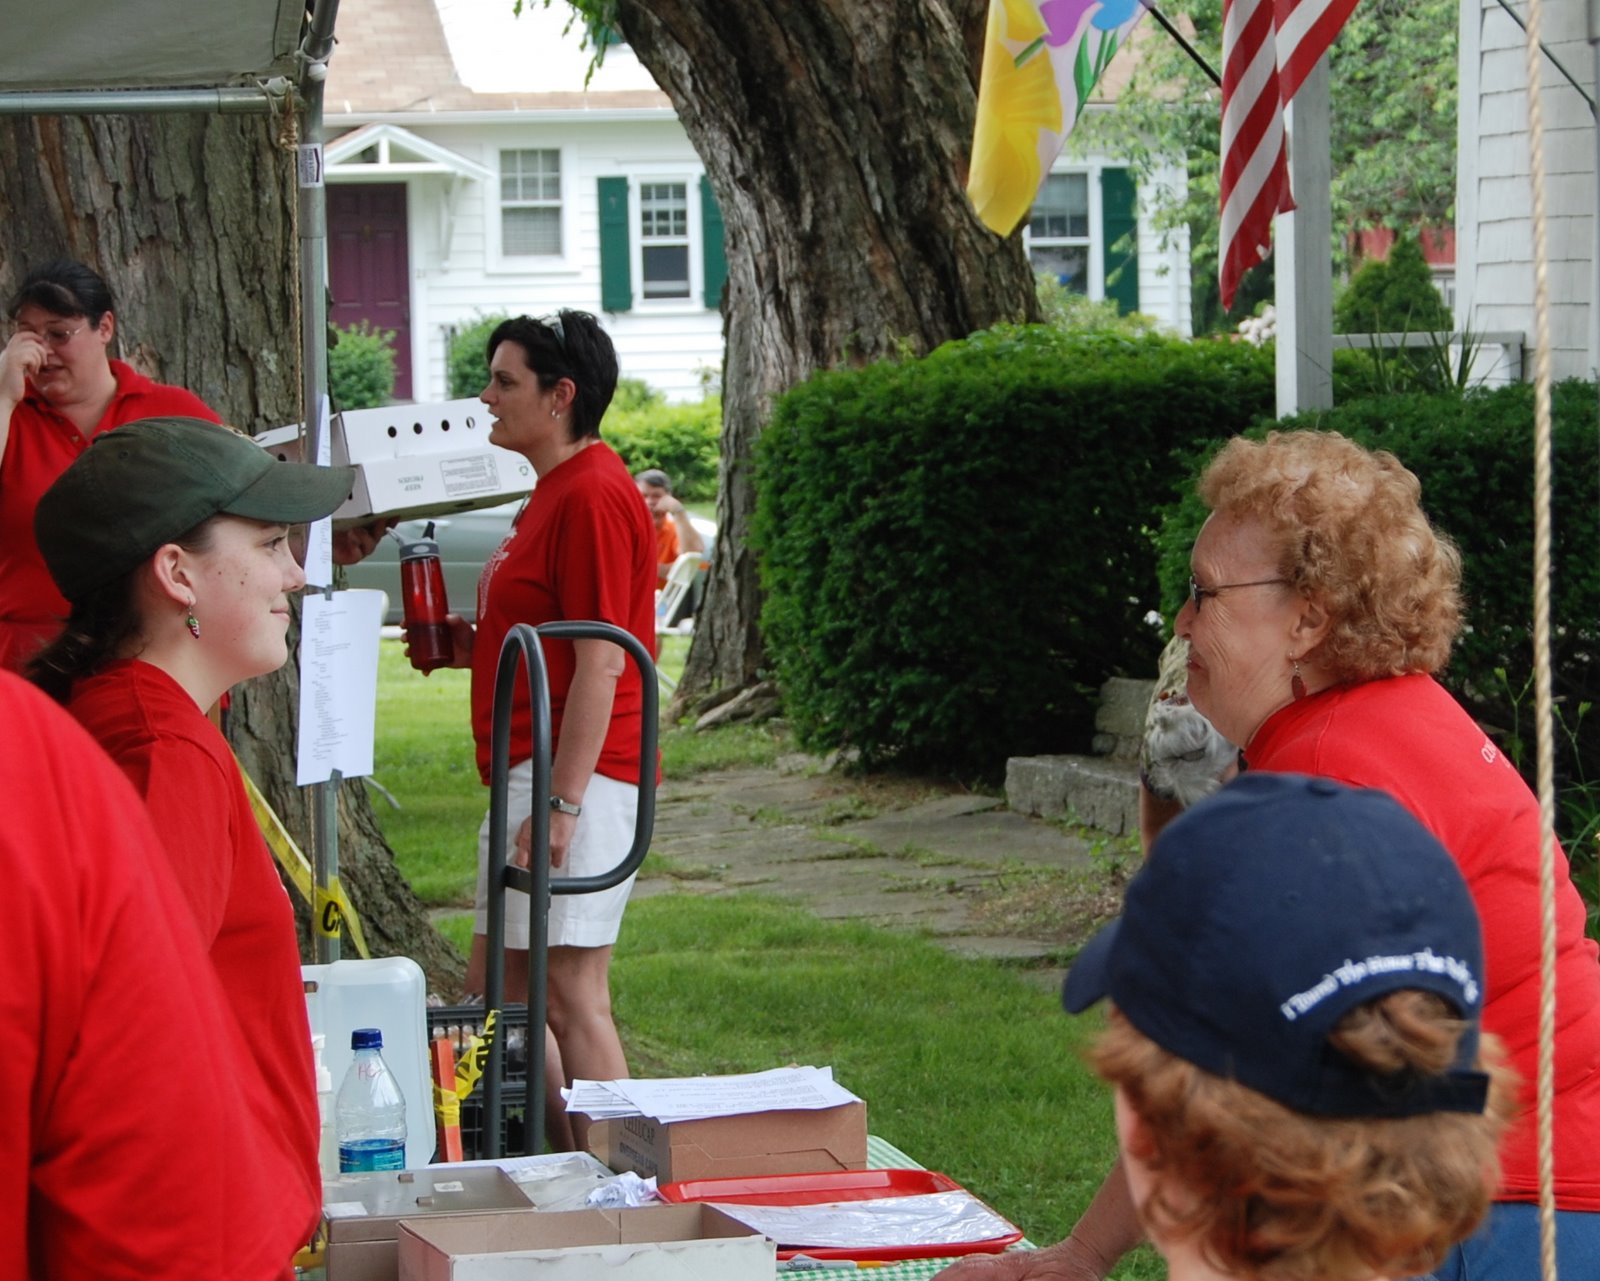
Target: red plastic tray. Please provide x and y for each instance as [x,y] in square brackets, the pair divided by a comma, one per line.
[839,1185]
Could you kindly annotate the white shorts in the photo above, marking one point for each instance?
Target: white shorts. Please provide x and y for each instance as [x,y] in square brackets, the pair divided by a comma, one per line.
[603,838]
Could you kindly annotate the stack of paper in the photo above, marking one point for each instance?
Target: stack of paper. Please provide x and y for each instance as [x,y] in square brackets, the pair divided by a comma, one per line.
[692,1098]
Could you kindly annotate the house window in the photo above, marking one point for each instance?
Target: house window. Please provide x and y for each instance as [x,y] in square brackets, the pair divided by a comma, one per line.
[1058,230]
[664,239]
[530,203]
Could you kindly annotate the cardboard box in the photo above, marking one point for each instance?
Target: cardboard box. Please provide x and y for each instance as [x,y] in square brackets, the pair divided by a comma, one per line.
[415,460]
[656,1243]
[795,1142]
[362,1212]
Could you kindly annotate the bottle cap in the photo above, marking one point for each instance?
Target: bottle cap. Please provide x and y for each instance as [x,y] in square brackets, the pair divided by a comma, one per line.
[366,1038]
[424,546]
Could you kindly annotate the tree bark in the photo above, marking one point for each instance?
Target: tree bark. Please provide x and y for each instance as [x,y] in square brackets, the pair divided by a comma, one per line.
[835,136]
[190,219]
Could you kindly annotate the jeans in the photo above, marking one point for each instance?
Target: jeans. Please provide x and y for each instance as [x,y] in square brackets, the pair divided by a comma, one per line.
[1506,1247]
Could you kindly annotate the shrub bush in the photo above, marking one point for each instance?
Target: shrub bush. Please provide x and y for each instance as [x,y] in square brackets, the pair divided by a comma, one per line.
[957,551]
[681,440]
[468,365]
[1396,295]
[1474,457]
[361,366]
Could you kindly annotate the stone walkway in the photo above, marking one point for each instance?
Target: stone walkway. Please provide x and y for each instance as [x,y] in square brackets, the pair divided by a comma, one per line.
[955,866]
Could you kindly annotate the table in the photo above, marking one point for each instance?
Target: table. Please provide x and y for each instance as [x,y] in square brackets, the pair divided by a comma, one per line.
[883,1155]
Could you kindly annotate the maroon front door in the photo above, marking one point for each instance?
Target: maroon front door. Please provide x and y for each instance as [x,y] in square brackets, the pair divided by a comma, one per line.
[367,265]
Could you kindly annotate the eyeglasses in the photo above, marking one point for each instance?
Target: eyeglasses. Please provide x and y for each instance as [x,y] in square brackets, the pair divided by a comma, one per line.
[553,323]
[53,335]
[1198,593]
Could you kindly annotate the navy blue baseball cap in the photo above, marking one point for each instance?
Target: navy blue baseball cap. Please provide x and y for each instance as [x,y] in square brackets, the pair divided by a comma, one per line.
[1266,913]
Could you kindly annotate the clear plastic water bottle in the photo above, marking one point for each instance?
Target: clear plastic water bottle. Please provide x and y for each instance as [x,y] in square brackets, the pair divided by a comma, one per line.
[370,1110]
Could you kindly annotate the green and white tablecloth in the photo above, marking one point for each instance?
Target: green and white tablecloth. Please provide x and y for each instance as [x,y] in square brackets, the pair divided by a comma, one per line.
[883,1155]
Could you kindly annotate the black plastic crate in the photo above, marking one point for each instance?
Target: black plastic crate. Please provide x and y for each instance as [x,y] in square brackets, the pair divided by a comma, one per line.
[459,1024]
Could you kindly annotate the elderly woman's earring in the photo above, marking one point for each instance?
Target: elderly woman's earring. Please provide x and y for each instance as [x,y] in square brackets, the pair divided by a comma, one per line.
[192,623]
[1297,687]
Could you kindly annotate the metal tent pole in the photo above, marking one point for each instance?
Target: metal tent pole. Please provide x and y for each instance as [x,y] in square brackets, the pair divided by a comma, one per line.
[313,220]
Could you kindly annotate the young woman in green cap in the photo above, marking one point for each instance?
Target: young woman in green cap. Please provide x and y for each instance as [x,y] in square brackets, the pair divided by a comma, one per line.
[170,539]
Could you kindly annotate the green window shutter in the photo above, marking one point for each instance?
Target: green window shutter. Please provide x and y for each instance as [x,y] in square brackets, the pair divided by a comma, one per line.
[716,257]
[616,269]
[1119,221]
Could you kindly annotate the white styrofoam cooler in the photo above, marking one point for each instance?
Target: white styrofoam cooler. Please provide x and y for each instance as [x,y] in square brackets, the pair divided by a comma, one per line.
[416,460]
[388,993]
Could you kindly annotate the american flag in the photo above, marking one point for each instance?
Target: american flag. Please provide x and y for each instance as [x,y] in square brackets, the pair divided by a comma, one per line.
[1268,49]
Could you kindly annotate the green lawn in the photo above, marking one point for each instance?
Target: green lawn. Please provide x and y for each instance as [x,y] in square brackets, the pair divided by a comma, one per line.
[424,758]
[965,1064]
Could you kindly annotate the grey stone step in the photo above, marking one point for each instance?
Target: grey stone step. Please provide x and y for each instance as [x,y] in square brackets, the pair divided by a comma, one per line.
[1096,790]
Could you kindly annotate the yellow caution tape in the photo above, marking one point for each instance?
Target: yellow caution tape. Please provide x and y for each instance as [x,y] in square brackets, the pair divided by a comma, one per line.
[446,1106]
[473,1060]
[331,911]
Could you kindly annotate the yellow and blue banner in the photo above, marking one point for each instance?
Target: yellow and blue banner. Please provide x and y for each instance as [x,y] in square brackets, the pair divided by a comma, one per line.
[1041,61]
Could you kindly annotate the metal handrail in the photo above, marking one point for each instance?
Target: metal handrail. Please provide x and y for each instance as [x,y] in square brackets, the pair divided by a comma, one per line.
[522,643]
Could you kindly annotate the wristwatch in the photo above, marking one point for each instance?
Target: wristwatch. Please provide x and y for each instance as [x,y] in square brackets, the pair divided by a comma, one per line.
[565,807]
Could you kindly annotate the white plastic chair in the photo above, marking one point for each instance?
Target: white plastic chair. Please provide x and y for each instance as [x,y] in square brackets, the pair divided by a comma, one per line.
[669,601]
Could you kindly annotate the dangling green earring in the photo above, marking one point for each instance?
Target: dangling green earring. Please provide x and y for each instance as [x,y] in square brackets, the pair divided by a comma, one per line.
[192,623]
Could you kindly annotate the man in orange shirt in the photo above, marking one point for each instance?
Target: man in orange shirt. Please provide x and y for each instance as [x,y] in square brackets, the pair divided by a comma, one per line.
[675,532]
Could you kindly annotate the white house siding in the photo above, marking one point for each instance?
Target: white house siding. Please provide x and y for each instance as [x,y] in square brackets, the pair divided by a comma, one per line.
[672,346]
[1494,201]
[472,79]
[1164,275]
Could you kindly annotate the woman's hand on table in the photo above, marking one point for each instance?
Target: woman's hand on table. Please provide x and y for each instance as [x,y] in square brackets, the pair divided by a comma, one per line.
[1068,1260]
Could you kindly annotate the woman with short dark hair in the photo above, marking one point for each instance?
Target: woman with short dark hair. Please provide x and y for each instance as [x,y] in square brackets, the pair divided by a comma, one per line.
[581,549]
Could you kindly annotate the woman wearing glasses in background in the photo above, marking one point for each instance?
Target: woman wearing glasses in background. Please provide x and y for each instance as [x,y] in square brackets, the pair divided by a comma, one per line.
[1321,604]
[59,389]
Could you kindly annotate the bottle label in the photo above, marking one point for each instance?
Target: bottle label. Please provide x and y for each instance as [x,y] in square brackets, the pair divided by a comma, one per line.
[360,1156]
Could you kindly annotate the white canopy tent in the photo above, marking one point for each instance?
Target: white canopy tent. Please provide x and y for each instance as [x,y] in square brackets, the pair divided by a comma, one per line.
[85,45]
[84,57]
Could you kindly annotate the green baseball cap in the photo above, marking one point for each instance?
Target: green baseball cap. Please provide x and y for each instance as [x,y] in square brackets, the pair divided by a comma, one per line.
[149,482]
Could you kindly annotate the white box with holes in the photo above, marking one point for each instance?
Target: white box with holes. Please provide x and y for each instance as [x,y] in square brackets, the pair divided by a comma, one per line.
[416,460]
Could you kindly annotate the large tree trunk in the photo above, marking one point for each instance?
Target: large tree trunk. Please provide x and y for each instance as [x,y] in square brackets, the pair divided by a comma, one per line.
[835,135]
[190,220]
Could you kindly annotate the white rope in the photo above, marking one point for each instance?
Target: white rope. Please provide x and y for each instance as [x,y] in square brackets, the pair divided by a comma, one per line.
[1543,701]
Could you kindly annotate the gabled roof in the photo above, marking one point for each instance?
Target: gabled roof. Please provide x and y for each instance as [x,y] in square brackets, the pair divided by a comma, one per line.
[393,57]
[397,151]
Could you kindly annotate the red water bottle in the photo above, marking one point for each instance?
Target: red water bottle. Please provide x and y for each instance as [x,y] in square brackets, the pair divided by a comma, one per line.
[422,590]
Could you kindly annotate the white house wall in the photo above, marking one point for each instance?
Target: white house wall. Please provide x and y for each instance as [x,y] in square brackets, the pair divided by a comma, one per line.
[672,346]
[1494,257]
[1164,274]
[676,346]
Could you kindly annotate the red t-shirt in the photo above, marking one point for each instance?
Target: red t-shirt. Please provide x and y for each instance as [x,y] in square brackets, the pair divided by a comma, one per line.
[583,549]
[180,763]
[139,1142]
[1409,737]
[42,445]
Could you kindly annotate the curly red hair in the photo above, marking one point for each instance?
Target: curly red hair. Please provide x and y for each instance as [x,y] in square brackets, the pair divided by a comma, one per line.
[1350,532]
[1281,1196]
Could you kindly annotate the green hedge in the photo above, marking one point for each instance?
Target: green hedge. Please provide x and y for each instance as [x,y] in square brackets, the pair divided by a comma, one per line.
[957,551]
[681,440]
[1474,457]
[360,366]
[467,364]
